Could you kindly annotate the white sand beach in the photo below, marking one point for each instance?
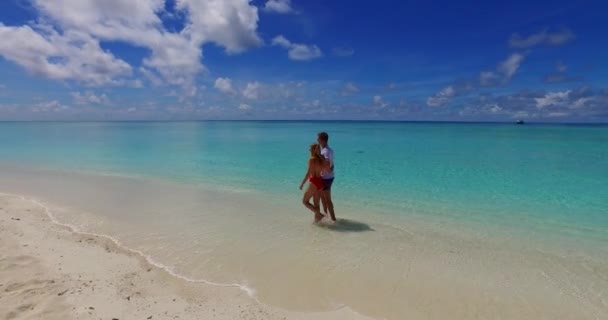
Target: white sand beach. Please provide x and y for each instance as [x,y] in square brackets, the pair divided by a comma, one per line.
[49,272]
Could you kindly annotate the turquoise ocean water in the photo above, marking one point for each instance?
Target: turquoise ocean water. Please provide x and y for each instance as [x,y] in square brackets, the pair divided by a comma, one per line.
[440,218]
[498,173]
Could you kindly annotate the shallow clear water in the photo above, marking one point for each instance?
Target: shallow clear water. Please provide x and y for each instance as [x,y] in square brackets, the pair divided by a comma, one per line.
[500,212]
[533,174]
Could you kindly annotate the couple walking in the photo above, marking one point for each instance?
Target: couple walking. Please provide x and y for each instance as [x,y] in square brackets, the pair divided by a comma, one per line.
[320,174]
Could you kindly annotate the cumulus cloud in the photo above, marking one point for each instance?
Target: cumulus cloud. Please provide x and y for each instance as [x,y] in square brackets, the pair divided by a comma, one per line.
[152,76]
[553,99]
[543,37]
[63,43]
[70,55]
[224,85]
[297,51]
[252,90]
[442,97]
[89,98]
[278,6]
[229,23]
[136,83]
[579,103]
[245,107]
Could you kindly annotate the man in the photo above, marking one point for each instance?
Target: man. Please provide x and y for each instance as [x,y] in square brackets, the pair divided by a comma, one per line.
[327,175]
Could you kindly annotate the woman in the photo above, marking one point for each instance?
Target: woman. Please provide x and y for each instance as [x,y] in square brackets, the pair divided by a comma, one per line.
[313,175]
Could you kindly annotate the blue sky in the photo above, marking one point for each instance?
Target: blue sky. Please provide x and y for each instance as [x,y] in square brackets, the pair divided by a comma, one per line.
[313,59]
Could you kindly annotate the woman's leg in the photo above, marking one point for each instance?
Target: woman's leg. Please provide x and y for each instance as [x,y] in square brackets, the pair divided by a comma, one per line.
[311,192]
[316,199]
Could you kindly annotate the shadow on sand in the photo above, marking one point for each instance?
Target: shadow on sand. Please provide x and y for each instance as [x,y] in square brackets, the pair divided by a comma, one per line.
[345,225]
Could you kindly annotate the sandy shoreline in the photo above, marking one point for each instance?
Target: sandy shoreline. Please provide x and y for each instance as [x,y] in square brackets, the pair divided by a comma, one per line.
[49,272]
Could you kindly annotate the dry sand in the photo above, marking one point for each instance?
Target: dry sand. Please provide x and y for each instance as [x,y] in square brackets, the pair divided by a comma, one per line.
[49,272]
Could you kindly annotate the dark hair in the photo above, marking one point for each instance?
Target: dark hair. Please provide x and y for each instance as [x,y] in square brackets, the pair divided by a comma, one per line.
[323,136]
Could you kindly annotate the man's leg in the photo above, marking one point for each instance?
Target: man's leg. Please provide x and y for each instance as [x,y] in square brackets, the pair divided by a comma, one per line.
[329,204]
[323,195]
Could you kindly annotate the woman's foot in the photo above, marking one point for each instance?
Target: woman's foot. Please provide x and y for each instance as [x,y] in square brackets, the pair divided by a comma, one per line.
[319,216]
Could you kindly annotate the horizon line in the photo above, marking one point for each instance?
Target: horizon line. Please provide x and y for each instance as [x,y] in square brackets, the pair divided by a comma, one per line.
[311,120]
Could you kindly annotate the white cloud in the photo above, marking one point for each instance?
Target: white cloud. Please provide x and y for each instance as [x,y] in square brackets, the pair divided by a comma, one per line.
[504,71]
[229,23]
[495,109]
[137,83]
[245,107]
[297,51]
[188,92]
[151,76]
[175,56]
[349,89]
[379,102]
[280,40]
[252,90]
[509,67]
[542,37]
[442,97]
[69,56]
[304,52]
[316,103]
[278,6]
[89,98]
[48,107]
[224,85]
[136,22]
[581,102]
[552,99]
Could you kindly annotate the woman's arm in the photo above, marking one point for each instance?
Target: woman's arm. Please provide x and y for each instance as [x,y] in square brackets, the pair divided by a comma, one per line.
[305,176]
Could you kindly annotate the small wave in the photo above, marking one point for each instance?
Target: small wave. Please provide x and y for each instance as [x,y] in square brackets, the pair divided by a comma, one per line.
[251,292]
[170,270]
